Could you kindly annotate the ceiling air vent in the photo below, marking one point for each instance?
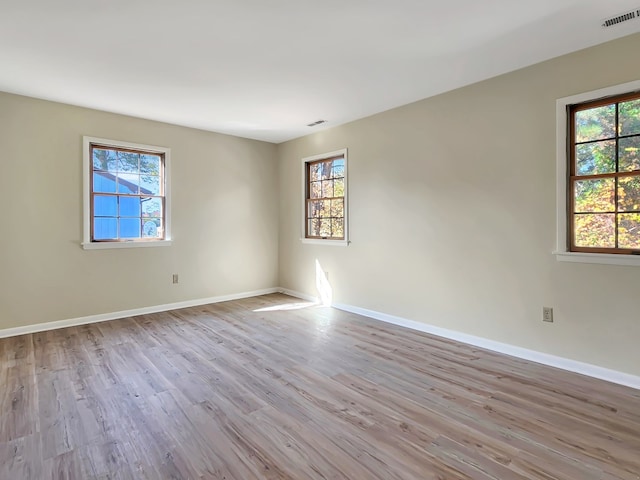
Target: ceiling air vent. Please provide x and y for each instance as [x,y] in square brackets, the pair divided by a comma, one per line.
[625,17]
[317,122]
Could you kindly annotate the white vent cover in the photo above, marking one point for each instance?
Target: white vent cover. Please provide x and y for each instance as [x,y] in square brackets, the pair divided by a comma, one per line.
[625,17]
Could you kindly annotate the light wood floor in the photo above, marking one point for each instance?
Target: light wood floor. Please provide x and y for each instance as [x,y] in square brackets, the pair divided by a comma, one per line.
[240,390]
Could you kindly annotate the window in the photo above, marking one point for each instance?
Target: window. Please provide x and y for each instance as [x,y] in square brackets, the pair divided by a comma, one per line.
[604,179]
[598,173]
[126,194]
[325,200]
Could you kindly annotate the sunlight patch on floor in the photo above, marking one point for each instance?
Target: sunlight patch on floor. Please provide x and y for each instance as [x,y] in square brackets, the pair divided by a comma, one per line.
[287,306]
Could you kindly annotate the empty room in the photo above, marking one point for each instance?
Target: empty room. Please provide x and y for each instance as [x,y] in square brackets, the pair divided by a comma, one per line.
[250,240]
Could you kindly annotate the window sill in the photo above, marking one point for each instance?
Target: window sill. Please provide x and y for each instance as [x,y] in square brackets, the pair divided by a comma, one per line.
[331,243]
[600,258]
[132,244]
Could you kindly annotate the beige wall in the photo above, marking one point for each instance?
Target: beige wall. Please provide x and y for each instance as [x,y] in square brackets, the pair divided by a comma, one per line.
[224,220]
[453,216]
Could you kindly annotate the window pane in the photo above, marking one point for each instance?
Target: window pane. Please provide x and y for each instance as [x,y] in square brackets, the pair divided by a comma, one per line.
[105,228]
[129,206]
[128,183]
[314,208]
[314,227]
[104,182]
[629,194]
[315,190]
[325,227]
[128,162]
[151,228]
[327,188]
[596,123]
[129,228]
[149,164]
[595,230]
[595,195]
[314,172]
[149,185]
[319,208]
[104,159]
[105,206]
[338,169]
[151,207]
[629,230]
[594,158]
[325,170]
[629,154]
[337,226]
[629,116]
[337,208]
[338,187]
[326,208]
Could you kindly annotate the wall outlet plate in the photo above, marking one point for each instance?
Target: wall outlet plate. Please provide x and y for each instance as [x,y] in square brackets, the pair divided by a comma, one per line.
[547,314]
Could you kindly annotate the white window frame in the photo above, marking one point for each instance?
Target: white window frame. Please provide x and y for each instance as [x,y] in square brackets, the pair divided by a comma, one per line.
[325,241]
[562,252]
[87,244]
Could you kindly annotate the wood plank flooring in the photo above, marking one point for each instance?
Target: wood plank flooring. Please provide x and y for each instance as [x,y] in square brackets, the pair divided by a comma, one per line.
[261,389]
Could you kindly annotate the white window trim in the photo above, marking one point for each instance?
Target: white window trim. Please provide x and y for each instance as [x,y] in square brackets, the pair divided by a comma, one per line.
[328,241]
[87,244]
[562,253]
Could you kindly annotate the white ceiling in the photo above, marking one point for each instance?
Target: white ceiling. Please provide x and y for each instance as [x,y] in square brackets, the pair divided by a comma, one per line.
[264,69]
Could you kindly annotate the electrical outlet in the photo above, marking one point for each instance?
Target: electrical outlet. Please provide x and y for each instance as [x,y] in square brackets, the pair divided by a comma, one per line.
[547,314]
[326,275]
[175,278]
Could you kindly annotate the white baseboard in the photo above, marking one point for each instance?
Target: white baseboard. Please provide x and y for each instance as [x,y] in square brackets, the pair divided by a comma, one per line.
[575,366]
[72,322]
[544,358]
